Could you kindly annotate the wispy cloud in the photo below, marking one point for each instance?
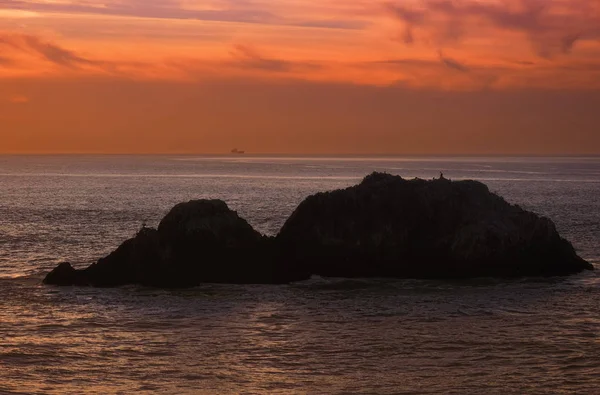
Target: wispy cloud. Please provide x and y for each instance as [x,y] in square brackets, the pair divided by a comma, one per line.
[214,10]
[443,72]
[166,9]
[552,26]
[453,63]
[248,57]
[46,50]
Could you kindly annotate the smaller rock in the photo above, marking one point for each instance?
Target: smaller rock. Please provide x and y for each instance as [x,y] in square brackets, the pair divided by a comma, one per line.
[200,241]
[64,274]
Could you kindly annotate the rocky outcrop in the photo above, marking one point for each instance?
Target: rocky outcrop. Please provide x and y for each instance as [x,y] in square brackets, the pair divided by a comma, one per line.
[390,227]
[64,274]
[384,227]
[200,241]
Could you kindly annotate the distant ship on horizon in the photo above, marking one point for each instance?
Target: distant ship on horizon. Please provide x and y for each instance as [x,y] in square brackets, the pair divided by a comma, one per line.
[237,151]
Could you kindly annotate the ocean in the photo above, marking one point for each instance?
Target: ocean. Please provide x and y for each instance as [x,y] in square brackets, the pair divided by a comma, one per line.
[325,335]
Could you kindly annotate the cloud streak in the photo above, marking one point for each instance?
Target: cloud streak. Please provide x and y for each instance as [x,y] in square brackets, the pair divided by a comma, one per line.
[452,63]
[46,50]
[553,27]
[214,11]
[248,57]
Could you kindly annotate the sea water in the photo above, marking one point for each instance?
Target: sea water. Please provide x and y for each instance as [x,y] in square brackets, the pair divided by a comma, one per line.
[320,336]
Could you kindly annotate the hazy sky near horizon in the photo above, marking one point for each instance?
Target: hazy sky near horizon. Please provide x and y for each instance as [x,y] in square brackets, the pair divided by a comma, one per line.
[300,76]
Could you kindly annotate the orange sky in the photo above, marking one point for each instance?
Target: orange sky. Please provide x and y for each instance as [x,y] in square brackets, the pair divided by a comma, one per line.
[300,76]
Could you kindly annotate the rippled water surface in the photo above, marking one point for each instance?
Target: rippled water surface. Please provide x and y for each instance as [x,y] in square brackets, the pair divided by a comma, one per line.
[320,336]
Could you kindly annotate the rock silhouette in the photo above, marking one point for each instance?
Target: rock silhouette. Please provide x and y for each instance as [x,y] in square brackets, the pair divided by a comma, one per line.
[201,241]
[65,274]
[384,227]
[390,227]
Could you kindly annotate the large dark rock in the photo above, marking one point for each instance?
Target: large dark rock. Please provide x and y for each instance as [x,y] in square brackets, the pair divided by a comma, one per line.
[384,227]
[203,241]
[390,227]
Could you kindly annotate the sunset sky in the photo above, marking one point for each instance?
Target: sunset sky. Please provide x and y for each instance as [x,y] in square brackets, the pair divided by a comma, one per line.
[300,76]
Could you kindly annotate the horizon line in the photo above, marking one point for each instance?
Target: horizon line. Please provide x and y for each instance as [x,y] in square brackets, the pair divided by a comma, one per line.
[316,155]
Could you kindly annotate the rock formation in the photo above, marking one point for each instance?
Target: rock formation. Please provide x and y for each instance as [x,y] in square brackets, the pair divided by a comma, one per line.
[200,241]
[390,227]
[384,227]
